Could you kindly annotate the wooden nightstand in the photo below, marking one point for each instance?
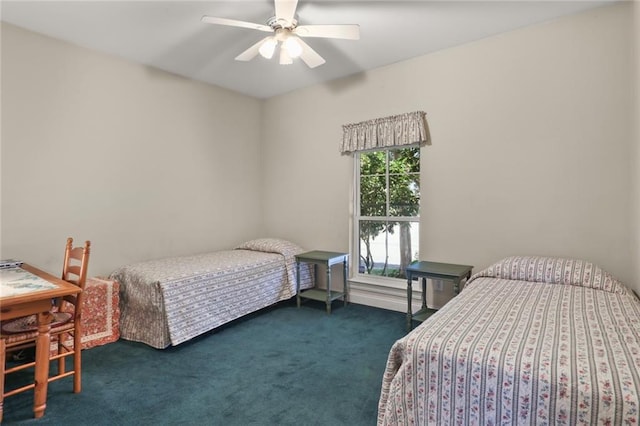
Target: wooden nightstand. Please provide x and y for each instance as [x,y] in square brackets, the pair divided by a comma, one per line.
[433,270]
[327,258]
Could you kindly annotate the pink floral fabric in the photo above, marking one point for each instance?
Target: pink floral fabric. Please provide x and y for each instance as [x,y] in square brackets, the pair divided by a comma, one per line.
[509,351]
[554,270]
[170,301]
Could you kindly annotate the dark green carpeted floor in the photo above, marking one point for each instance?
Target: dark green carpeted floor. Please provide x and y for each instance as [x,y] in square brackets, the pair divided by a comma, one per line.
[281,366]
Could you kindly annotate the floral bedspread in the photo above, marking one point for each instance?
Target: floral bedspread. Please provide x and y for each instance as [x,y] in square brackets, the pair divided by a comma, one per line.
[169,301]
[530,340]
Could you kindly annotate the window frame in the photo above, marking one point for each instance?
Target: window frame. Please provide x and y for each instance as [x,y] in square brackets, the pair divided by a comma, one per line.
[356,275]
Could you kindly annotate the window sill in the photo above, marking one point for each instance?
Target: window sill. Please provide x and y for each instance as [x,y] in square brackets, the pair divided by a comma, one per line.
[395,283]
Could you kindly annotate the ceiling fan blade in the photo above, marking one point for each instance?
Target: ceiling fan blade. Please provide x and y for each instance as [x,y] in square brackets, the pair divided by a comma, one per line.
[310,56]
[234,23]
[285,58]
[348,32]
[251,52]
[286,10]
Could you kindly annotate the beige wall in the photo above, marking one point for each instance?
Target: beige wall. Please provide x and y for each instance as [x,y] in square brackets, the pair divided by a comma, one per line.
[143,163]
[533,151]
[636,159]
[532,138]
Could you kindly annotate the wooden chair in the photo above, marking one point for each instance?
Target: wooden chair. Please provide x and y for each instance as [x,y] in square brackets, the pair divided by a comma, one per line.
[66,328]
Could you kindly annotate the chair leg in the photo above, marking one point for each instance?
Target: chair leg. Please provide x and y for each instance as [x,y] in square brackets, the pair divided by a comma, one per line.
[3,358]
[77,359]
[61,361]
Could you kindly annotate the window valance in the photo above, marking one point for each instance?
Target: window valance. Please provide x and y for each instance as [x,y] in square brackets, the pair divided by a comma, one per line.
[396,130]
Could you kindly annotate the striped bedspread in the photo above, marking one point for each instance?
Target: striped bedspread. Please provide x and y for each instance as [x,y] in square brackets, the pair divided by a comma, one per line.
[530,340]
[169,301]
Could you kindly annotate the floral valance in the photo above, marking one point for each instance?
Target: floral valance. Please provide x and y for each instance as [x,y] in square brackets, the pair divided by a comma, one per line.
[397,130]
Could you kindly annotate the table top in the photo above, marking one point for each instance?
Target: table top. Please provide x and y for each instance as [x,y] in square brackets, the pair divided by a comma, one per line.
[320,255]
[435,269]
[29,283]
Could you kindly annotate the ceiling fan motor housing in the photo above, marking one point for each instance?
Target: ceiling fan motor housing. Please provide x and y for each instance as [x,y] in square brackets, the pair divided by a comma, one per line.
[276,23]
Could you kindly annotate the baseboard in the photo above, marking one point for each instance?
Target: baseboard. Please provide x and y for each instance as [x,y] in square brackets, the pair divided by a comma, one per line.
[393,299]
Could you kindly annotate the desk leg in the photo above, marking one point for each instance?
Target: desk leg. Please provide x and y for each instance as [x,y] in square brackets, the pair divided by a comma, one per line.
[409,295]
[457,282]
[344,278]
[42,363]
[328,288]
[3,356]
[298,283]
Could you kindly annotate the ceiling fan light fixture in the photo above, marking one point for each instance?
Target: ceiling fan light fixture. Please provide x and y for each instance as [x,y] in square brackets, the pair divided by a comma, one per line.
[268,47]
[293,46]
[285,58]
[286,32]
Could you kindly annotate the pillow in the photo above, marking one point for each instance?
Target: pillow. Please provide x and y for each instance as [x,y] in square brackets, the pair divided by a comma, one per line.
[271,245]
[554,270]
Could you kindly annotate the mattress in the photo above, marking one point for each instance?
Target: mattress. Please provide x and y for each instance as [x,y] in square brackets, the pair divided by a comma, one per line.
[530,340]
[170,301]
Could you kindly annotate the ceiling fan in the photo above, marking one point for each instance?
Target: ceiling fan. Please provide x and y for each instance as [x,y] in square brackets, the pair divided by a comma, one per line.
[287,32]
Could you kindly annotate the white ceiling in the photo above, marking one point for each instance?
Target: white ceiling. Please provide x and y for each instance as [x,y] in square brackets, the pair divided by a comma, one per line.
[169,34]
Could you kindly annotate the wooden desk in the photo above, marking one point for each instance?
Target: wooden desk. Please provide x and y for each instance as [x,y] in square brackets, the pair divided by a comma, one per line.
[35,302]
[328,259]
[433,270]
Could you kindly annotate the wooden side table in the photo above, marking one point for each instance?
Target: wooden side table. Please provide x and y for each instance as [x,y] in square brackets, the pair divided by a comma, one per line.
[433,270]
[327,258]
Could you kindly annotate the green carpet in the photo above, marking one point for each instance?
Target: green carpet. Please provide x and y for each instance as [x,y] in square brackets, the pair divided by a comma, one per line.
[280,366]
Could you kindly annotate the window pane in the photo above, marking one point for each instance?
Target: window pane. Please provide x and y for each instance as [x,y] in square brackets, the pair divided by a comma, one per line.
[406,160]
[373,195]
[389,194]
[404,195]
[386,248]
[373,163]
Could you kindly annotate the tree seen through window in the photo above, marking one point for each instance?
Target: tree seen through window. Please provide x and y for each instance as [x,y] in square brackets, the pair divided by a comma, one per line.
[389,207]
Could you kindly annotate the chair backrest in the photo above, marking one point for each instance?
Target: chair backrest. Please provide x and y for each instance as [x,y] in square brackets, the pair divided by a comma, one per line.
[76,262]
[74,270]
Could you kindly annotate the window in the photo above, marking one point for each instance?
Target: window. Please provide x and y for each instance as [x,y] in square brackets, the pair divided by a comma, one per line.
[387,210]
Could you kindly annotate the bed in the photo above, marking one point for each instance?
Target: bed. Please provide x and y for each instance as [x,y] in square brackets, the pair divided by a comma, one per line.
[170,301]
[530,340]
